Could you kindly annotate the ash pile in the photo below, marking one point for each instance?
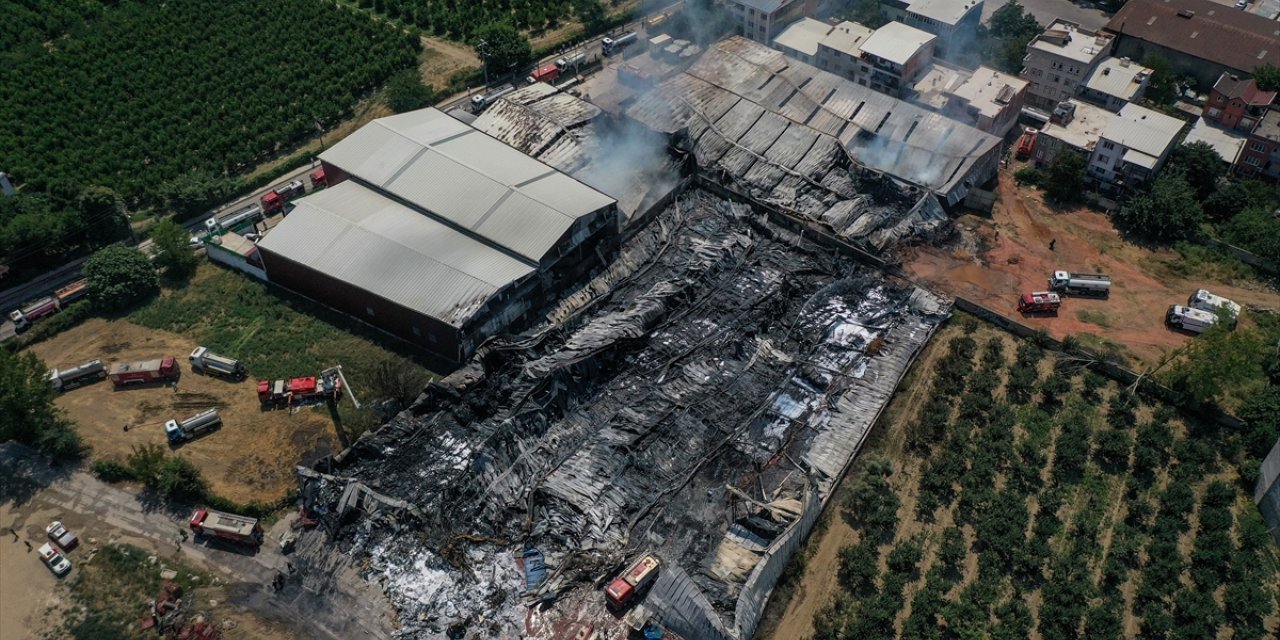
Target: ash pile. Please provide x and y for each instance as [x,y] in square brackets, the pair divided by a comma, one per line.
[695,401]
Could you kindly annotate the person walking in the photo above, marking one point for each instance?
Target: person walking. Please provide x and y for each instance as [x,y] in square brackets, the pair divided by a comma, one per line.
[1052,242]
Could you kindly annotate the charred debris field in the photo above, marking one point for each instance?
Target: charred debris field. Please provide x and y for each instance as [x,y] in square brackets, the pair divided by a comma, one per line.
[695,401]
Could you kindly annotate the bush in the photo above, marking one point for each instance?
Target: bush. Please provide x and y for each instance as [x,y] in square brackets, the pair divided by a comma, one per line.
[1029,176]
[112,471]
[27,412]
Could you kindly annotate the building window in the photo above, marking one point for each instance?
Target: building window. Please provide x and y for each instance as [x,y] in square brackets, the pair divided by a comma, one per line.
[369,310]
[1215,113]
[1036,72]
[1104,161]
[1250,160]
[1108,145]
[1053,77]
[1258,146]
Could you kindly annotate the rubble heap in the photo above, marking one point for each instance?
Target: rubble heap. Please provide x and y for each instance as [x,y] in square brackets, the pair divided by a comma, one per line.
[698,400]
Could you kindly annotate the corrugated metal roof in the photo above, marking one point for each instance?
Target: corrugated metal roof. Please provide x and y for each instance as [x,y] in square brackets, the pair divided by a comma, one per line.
[803,36]
[1150,132]
[361,237]
[452,171]
[900,139]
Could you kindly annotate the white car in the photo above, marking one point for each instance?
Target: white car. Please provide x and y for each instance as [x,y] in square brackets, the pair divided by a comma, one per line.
[195,242]
[57,562]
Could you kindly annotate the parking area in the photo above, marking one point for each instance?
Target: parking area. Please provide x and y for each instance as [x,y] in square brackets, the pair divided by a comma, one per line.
[1009,253]
[250,458]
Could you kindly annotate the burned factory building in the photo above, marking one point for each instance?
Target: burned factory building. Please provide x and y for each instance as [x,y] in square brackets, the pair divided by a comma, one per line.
[438,233]
[697,401]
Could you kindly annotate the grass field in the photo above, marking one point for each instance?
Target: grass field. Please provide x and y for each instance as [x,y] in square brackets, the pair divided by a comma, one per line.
[276,334]
[1017,496]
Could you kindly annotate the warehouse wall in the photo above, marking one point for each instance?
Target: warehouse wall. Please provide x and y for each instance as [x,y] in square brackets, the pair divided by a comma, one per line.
[432,335]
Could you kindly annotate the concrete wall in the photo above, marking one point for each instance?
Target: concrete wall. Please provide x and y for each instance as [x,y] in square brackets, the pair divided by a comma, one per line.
[1267,493]
[234,260]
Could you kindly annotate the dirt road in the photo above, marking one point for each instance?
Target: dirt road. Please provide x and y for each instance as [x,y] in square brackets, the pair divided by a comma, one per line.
[251,458]
[1001,257]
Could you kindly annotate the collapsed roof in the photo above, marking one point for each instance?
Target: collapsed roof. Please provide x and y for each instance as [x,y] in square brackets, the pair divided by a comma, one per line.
[618,158]
[697,400]
[780,124]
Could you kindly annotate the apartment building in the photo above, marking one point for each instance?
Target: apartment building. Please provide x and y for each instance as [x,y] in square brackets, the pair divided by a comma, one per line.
[1116,82]
[1237,103]
[887,59]
[988,100]
[1260,157]
[763,20]
[955,22]
[1059,61]
[1132,149]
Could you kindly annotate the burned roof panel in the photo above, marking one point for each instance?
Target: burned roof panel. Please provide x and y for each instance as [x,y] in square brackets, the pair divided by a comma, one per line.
[715,359]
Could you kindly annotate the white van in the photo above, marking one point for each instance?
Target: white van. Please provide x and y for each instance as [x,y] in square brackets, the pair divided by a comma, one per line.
[1205,301]
[1188,319]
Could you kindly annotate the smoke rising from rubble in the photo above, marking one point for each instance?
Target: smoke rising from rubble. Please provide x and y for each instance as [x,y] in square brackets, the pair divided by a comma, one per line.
[898,158]
[630,162]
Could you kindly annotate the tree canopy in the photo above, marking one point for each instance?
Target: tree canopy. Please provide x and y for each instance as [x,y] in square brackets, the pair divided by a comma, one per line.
[1169,212]
[120,277]
[1267,76]
[173,254]
[1162,88]
[1065,179]
[1004,43]
[1200,164]
[27,414]
[406,92]
[223,85]
[502,47]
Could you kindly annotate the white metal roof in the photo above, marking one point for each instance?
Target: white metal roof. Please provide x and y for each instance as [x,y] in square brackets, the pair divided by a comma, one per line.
[847,37]
[1226,142]
[1085,128]
[948,12]
[1144,130]
[897,42]
[1117,77]
[462,176]
[803,36]
[361,237]
[1080,46]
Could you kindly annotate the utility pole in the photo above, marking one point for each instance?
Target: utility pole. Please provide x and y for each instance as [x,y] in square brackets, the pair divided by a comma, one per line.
[483,49]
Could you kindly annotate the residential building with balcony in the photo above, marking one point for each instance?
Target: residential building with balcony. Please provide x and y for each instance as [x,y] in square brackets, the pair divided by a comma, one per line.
[1075,126]
[1132,149]
[887,59]
[989,100]
[763,20]
[1059,61]
[1116,82]
[1237,103]
[955,22]
[1260,157]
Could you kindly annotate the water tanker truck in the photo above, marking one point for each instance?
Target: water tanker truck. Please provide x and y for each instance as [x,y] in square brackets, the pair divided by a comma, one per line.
[144,372]
[633,582]
[209,363]
[571,61]
[179,431]
[24,317]
[229,222]
[1081,284]
[226,526]
[610,45]
[480,102]
[65,379]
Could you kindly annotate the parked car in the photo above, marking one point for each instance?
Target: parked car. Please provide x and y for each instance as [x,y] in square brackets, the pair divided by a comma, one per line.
[61,535]
[56,562]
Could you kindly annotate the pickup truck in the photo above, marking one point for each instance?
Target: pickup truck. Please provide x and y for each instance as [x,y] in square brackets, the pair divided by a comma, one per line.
[61,535]
[56,562]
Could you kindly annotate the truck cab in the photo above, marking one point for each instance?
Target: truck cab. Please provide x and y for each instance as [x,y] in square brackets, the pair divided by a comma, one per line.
[633,582]
[1205,301]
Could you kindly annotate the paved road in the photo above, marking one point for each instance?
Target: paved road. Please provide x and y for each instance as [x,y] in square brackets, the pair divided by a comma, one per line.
[1045,11]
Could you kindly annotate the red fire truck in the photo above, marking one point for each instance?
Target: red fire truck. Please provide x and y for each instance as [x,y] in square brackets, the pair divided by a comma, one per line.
[227,526]
[286,393]
[633,582]
[144,372]
[545,73]
[1039,302]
